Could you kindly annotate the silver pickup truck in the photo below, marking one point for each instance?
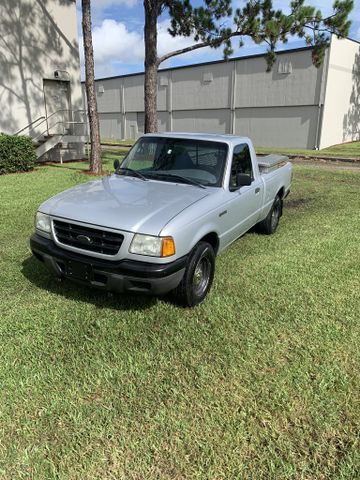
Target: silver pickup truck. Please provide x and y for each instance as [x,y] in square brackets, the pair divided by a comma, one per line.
[175,202]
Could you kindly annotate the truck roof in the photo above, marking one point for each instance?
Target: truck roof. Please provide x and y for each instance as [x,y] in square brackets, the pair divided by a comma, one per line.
[213,137]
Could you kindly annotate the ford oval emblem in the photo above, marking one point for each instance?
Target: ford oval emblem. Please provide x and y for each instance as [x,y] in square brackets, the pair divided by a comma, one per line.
[84,239]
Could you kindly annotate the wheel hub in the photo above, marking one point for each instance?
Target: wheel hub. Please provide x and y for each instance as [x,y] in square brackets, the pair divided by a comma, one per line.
[201,275]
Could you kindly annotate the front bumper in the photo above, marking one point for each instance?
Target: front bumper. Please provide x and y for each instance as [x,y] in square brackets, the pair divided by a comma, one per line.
[116,276]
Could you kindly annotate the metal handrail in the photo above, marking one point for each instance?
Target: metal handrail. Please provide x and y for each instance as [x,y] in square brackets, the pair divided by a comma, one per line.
[46,118]
[30,124]
[57,112]
[54,125]
[45,131]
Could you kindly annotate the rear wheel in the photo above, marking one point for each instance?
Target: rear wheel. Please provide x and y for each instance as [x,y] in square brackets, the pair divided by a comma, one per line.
[198,276]
[271,222]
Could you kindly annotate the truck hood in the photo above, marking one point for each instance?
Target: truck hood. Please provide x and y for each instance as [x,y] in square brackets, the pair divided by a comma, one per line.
[124,203]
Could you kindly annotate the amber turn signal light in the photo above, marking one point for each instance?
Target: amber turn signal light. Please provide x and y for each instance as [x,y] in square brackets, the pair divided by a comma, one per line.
[167,247]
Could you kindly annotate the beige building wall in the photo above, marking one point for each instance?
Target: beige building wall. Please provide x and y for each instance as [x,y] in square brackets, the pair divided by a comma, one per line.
[341,116]
[37,38]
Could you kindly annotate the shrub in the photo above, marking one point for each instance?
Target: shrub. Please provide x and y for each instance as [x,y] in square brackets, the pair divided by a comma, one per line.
[17,154]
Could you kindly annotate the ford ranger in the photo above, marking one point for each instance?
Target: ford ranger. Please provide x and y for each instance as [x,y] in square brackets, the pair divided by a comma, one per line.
[157,223]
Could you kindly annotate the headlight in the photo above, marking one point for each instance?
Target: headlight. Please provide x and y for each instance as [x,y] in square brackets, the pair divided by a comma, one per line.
[152,246]
[42,222]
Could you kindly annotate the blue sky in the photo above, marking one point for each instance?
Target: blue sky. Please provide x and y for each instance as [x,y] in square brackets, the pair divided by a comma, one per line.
[118,36]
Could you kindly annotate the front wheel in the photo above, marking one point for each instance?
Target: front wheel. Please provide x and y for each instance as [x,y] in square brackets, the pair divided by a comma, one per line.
[271,222]
[198,276]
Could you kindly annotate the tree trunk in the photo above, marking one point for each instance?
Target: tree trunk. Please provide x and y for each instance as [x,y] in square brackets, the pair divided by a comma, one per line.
[95,151]
[151,8]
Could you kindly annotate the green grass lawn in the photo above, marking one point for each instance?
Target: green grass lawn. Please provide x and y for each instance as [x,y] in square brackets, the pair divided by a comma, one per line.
[260,382]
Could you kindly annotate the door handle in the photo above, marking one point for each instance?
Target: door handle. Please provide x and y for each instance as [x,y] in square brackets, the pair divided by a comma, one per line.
[257,190]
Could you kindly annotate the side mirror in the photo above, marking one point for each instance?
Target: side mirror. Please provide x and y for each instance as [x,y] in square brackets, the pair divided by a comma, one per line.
[243,180]
[116,164]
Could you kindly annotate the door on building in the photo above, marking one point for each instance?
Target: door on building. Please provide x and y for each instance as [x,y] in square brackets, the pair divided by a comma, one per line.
[57,106]
[141,122]
[133,131]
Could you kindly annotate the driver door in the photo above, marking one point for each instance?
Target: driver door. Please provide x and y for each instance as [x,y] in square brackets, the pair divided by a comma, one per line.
[245,202]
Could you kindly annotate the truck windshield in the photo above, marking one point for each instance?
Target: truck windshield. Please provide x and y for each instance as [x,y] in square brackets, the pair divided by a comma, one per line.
[169,159]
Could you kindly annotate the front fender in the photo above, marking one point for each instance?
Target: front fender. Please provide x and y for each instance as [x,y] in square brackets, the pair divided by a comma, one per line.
[189,235]
[205,230]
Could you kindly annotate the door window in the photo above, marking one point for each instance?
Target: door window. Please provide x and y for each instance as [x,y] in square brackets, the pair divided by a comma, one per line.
[241,163]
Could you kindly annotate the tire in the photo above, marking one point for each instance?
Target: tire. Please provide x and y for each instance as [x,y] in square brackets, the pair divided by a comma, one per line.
[269,225]
[198,276]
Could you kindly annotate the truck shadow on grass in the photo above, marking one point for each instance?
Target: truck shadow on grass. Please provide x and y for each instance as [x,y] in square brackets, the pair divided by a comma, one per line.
[39,276]
[297,202]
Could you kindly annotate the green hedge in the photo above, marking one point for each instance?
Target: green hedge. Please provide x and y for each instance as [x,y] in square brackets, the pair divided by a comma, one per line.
[17,154]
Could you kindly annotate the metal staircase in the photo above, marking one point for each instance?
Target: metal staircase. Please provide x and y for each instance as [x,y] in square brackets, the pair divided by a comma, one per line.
[59,136]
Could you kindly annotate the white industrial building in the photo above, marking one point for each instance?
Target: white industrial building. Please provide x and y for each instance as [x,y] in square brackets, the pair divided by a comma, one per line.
[296,105]
[40,83]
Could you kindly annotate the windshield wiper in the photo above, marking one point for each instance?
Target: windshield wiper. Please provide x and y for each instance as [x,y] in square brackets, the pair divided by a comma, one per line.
[131,172]
[175,177]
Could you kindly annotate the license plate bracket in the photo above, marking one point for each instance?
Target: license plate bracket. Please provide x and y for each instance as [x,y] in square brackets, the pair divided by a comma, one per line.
[79,270]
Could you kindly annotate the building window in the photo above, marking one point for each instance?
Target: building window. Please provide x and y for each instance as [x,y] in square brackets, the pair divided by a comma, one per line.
[208,77]
[163,82]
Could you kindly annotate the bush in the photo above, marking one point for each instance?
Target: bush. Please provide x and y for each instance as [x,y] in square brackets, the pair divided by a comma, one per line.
[17,154]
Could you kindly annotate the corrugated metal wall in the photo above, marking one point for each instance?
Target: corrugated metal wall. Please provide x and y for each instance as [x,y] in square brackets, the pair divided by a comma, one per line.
[280,108]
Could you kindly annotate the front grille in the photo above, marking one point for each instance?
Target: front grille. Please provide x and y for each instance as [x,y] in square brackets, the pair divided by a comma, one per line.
[90,239]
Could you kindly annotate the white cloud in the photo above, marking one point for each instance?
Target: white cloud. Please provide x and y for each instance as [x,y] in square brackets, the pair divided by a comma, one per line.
[114,43]
[99,9]
[167,43]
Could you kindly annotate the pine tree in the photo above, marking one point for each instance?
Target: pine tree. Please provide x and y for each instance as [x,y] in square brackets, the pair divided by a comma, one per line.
[214,25]
[95,147]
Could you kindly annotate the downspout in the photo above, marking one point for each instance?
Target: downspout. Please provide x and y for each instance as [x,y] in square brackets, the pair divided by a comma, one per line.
[123,110]
[233,99]
[169,103]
